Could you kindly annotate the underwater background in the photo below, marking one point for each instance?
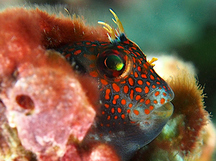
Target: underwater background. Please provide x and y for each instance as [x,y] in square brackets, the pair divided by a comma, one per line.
[185,28]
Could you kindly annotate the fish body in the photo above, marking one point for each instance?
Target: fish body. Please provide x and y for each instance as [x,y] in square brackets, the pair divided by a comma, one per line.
[134,100]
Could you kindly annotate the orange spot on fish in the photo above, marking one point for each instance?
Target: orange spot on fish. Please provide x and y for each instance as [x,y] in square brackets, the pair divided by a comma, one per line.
[127,42]
[107,97]
[147,101]
[136,112]
[116,87]
[147,111]
[151,71]
[106,105]
[157,93]
[148,83]
[139,68]
[152,77]
[123,82]
[134,60]
[77,52]
[138,53]
[155,102]
[93,74]
[119,110]
[71,49]
[140,82]
[151,107]
[120,47]
[138,97]
[115,117]
[131,94]
[112,110]
[104,82]
[138,89]
[139,62]
[117,80]
[108,117]
[128,110]
[123,116]
[115,98]
[123,101]
[130,105]
[126,89]
[143,76]
[142,100]
[131,81]
[162,101]
[136,74]
[146,89]
[67,56]
[145,66]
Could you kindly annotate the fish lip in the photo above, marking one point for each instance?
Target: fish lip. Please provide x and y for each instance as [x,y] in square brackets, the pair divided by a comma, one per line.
[164,111]
[155,119]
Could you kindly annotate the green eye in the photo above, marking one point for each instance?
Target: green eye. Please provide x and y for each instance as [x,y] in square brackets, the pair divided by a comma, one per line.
[114,62]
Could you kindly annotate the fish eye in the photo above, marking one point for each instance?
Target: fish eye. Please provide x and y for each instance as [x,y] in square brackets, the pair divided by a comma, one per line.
[113,63]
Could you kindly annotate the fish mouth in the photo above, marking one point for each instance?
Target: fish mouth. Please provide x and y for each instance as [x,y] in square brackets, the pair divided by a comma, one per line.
[164,112]
[158,111]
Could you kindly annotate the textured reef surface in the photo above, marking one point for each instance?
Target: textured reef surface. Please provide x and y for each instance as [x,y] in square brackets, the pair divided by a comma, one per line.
[55,104]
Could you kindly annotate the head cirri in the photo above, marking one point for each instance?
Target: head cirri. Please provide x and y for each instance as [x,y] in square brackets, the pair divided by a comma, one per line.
[134,100]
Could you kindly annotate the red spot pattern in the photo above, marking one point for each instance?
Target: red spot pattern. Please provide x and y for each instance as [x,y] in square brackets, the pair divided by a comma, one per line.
[107,96]
[124,90]
[131,81]
[77,52]
[116,87]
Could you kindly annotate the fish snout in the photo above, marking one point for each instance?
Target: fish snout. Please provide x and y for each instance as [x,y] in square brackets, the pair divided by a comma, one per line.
[155,108]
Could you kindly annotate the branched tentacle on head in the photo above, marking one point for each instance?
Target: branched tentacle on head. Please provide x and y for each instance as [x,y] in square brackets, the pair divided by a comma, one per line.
[134,100]
[114,34]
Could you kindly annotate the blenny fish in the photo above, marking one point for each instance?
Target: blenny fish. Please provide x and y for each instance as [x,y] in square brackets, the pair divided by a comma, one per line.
[134,100]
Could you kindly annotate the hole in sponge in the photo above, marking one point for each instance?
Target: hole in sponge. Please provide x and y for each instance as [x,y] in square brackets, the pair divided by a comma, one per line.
[25,102]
